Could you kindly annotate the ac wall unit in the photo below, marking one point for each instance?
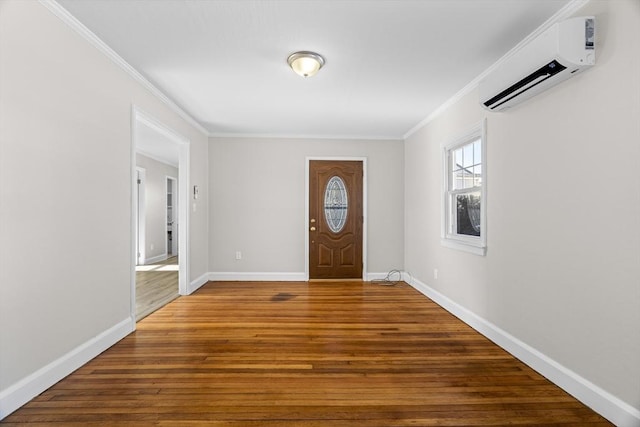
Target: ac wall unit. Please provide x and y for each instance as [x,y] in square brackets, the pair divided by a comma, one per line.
[560,52]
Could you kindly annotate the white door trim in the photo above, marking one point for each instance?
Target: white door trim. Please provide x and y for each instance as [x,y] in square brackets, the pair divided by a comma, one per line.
[364,210]
[139,117]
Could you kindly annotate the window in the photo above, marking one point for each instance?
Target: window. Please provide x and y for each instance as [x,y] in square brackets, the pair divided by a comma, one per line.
[336,204]
[464,201]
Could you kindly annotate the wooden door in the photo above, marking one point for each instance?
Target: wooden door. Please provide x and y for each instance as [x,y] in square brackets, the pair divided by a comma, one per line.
[335,219]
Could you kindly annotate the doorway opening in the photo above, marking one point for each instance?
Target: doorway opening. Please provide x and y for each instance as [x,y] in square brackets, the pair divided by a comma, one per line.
[172,217]
[159,215]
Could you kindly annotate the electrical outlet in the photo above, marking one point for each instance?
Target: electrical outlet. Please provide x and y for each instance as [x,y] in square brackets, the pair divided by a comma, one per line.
[238,255]
[152,247]
[435,273]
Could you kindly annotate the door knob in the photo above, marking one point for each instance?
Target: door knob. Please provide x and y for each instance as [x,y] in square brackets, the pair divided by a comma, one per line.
[312,229]
[313,220]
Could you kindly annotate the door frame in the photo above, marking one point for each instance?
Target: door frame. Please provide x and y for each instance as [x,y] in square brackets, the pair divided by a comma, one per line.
[365,205]
[139,118]
[140,214]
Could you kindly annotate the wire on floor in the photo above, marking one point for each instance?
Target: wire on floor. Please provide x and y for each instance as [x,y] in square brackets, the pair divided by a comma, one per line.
[393,278]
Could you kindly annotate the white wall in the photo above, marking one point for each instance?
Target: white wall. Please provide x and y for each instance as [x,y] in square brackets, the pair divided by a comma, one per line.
[65,197]
[562,270]
[156,174]
[257,188]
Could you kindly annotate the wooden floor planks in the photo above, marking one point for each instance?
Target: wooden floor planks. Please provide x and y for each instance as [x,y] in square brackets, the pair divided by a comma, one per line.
[156,285]
[304,354]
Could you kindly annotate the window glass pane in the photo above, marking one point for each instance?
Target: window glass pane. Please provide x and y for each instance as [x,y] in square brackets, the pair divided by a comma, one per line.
[477,152]
[457,159]
[468,177]
[458,179]
[468,214]
[467,157]
[477,176]
[336,204]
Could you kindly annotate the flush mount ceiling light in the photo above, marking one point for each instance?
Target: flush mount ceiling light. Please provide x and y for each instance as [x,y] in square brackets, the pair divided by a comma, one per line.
[305,63]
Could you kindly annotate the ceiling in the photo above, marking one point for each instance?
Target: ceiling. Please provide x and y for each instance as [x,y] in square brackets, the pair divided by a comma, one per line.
[389,63]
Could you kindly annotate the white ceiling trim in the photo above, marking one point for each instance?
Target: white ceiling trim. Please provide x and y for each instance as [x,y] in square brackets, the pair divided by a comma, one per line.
[88,35]
[306,136]
[567,11]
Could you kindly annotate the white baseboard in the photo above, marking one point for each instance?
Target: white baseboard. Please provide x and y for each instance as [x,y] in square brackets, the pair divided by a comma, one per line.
[29,387]
[275,277]
[257,277]
[392,275]
[159,258]
[197,283]
[374,276]
[612,408]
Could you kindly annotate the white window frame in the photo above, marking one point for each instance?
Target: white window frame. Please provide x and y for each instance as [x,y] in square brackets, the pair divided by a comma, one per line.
[473,244]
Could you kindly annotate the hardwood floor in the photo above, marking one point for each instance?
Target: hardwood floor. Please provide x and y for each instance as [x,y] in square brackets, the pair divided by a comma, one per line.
[299,354]
[156,285]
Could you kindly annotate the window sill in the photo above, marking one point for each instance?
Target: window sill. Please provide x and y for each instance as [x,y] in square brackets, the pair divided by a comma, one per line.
[465,247]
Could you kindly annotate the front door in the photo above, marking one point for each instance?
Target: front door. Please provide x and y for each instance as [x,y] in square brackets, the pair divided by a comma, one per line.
[335,219]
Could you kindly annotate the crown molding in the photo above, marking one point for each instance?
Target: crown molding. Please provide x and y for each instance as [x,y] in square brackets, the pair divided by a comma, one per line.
[567,11]
[305,136]
[71,21]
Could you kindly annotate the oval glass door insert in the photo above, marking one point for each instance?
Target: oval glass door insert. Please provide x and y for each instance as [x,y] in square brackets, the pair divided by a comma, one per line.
[336,204]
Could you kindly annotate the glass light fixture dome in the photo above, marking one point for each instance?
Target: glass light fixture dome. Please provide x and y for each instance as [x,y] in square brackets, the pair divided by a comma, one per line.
[305,64]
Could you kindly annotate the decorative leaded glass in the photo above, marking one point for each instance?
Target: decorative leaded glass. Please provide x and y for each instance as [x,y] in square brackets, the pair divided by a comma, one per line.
[336,204]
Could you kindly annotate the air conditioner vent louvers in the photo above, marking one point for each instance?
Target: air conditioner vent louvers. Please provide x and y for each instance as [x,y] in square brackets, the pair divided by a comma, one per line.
[529,82]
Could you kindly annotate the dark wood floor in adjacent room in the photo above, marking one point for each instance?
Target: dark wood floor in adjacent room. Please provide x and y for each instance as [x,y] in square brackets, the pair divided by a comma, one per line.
[298,354]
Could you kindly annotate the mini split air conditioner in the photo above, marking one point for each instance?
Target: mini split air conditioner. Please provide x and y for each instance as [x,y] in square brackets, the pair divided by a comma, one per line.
[560,52]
